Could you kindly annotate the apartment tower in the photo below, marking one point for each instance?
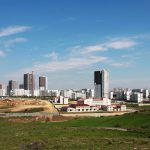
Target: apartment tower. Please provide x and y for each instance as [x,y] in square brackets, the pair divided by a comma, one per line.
[12,85]
[101,84]
[29,82]
[1,86]
[43,83]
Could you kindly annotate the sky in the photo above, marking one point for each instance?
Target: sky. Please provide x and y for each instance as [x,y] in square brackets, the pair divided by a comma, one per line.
[67,40]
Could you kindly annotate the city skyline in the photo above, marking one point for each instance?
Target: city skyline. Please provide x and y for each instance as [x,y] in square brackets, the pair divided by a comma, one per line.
[67,44]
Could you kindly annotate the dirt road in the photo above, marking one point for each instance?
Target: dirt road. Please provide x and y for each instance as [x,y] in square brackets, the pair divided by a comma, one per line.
[93,114]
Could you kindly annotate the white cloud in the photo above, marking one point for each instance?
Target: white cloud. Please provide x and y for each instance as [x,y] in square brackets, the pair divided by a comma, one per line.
[80,57]
[121,64]
[116,44]
[67,64]
[63,65]
[120,44]
[93,48]
[53,55]
[2,53]
[14,41]
[13,30]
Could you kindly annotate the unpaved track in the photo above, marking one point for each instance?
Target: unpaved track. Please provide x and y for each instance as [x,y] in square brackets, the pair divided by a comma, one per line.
[93,114]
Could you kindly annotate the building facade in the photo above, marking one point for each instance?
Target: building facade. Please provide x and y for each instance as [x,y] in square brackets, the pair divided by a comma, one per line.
[43,83]
[1,86]
[101,84]
[2,92]
[12,85]
[29,82]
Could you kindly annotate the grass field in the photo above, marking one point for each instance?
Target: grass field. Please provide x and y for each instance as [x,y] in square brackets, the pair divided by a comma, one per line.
[83,133]
[135,120]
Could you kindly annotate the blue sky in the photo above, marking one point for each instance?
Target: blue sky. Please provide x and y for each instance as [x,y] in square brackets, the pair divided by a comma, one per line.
[67,40]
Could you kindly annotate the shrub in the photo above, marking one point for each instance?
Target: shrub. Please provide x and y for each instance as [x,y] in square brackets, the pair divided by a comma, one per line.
[117,125]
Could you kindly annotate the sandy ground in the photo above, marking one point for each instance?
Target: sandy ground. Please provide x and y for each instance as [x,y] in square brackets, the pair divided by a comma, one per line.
[20,105]
[95,114]
[48,107]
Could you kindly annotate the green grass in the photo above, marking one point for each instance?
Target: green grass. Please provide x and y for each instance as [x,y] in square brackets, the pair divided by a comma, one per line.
[131,105]
[83,133]
[146,107]
[134,120]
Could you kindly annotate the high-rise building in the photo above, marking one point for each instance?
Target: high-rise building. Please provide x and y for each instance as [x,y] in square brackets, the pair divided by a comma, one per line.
[101,84]
[29,82]
[21,86]
[43,83]
[12,85]
[1,86]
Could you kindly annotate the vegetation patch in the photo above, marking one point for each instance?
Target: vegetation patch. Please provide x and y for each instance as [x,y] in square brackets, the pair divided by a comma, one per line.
[35,145]
[78,133]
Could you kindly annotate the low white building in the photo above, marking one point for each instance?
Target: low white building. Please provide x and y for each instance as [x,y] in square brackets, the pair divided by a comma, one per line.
[43,93]
[120,95]
[128,95]
[2,92]
[80,108]
[95,102]
[36,93]
[68,93]
[114,108]
[137,90]
[27,93]
[123,108]
[137,97]
[18,92]
[111,95]
[78,95]
[145,93]
[109,108]
[55,93]
[91,93]
[61,100]
[22,92]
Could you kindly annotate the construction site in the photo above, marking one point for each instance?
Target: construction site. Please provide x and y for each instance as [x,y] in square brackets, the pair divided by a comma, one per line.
[29,110]
[25,105]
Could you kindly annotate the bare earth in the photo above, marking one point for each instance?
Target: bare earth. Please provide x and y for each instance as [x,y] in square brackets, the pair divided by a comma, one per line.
[95,114]
[14,105]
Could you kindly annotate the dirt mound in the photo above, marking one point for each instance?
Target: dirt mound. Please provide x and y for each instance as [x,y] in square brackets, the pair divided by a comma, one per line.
[14,105]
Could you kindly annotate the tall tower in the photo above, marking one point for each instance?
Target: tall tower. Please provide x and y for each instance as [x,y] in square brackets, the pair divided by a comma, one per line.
[29,82]
[101,84]
[12,85]
[1,86]
[43,83]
